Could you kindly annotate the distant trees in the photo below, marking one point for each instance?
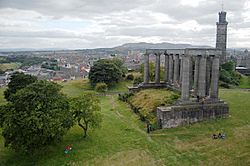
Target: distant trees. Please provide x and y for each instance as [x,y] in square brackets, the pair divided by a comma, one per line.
[17,82]
[108,71]
[38,115]
[86,111]
[25,60]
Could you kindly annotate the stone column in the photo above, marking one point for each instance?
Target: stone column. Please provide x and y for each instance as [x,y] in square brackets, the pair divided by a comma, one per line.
[196,74]
[170,71]
[166,67]
[191,79]
[157,68]
[176,69]
[181,62]
[202,77]
[208,76]
[215,78]
[185,78]
[146,68]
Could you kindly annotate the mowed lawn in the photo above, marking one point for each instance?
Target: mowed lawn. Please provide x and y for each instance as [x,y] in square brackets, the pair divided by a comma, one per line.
[122,139]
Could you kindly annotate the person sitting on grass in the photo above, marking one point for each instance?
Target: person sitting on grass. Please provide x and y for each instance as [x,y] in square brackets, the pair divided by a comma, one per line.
[215,136]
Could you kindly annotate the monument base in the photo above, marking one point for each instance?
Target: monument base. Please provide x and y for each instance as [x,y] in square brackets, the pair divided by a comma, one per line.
[182,114]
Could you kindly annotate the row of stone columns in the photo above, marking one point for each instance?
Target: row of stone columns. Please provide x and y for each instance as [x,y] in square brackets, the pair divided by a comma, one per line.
[178,70]
[206,76]
[172,69]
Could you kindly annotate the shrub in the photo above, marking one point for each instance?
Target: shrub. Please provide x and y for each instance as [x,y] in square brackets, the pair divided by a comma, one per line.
[124,97]
[130,77]
[101,87]
[138,80]
[224,85]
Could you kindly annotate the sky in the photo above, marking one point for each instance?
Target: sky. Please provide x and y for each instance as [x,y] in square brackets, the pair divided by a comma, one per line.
[73,24]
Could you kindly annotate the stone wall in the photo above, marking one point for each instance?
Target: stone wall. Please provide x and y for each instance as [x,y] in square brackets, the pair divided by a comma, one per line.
[170,117]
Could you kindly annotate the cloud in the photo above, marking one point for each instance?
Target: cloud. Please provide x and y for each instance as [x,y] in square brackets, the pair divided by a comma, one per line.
[95,23]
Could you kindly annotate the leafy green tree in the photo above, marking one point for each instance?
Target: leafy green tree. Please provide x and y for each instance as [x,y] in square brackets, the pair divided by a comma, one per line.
[86,111]
[2,114]
[37,116]
[101,87]
[17,82]
[119,63]
[106,71]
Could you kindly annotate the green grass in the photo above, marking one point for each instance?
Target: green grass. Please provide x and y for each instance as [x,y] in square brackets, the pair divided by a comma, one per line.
[122,139]
[121,86]
[245,82]
[6,66]
[76,87]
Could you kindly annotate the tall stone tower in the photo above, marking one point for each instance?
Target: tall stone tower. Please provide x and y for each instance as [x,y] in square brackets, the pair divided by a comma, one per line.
[221,37]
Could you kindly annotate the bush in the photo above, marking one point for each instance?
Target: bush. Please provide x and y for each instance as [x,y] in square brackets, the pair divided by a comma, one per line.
[138,80]
[224,85]
[130,77]
[125,97]
[228,75]
[101,87]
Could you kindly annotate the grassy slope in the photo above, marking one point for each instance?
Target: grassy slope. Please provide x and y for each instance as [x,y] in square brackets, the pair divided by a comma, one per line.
[122,140]
[151,98]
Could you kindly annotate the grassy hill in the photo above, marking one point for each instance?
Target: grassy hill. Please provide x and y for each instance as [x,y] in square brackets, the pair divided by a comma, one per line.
[122,139]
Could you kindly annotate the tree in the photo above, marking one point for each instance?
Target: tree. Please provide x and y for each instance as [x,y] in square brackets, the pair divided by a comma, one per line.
[37,116]
[106,71]
[101,87]
[119,63]
[17,82]
[86,111]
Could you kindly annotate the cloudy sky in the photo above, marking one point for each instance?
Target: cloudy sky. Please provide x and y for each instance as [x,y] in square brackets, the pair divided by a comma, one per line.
[108,23]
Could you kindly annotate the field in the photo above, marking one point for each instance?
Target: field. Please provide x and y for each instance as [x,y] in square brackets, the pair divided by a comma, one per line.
[122,139]
[6,66]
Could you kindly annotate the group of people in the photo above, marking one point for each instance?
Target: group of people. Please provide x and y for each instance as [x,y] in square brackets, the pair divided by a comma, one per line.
[219,136]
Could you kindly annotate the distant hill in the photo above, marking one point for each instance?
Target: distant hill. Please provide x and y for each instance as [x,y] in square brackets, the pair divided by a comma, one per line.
[143,46]
[123,48]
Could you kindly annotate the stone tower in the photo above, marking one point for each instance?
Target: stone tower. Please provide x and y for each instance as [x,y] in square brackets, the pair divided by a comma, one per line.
[221,37]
